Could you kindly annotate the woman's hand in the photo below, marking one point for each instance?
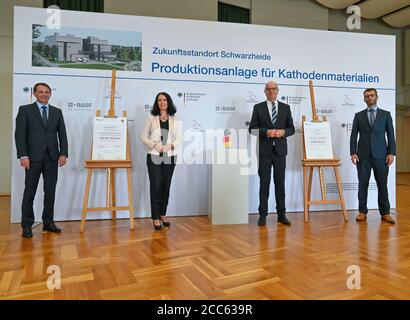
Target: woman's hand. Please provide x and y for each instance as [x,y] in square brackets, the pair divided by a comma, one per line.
[158,147]
[167,148]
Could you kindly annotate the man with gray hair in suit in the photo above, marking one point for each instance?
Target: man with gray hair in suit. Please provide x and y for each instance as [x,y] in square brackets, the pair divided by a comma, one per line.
[272,122]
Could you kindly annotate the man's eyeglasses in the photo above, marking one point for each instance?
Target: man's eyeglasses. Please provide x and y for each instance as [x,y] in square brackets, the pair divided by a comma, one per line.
[269,89]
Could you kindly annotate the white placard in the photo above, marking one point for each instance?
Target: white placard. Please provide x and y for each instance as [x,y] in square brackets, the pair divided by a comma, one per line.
[318,142]
[109,138]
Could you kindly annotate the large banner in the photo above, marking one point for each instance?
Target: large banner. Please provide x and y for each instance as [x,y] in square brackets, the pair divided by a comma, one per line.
[215,72]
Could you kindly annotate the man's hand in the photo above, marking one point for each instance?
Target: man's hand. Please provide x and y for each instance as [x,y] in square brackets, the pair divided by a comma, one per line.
[355,159]
[25,163]
[62,161]
[274,133]
[389,159]
[280,133]
[270,133]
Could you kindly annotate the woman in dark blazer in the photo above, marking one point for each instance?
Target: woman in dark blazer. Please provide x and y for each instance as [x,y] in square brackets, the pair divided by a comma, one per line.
[162,135]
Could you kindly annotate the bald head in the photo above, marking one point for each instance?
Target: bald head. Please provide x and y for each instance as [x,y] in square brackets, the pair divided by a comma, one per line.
[271,90]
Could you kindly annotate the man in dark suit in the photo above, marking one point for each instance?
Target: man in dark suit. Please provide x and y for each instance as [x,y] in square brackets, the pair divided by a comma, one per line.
[272,122]
[41,142]
[372,152]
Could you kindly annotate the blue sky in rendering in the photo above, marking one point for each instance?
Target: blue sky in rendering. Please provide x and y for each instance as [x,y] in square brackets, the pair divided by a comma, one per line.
[114,37]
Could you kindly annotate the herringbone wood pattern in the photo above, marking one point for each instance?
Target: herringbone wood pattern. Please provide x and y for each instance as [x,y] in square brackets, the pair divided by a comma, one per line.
[195,260]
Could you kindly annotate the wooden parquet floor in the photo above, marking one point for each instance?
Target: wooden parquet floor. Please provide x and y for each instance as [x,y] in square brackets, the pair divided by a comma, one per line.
[195,260]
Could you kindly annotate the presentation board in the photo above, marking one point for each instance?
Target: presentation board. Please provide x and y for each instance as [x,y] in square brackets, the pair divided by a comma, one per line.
[109,138]
[215,73]
[318,141]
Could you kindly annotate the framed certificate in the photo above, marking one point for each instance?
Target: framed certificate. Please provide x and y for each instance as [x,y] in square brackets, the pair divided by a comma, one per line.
[109,138]
[318,142]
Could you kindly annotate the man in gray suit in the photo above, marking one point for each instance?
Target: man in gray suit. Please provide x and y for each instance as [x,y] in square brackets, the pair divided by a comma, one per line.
[41,143]
[372,151]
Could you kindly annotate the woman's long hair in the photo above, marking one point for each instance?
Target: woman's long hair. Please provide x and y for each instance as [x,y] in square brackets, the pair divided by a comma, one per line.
[171,107]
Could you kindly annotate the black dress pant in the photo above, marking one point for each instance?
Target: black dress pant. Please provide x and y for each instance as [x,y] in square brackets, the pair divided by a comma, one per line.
[380,171]
[49,169]
[265,168]
[160,171]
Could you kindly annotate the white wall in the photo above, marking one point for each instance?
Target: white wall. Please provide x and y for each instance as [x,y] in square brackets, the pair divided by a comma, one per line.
[294,13]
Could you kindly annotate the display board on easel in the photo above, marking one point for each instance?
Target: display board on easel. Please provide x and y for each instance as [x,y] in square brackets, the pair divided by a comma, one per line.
[318,140]
[109,138]
[110,151]
[318,153]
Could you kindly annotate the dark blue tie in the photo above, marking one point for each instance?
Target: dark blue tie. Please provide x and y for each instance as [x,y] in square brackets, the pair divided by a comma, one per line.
[372,117]
[44,115]
[274,114]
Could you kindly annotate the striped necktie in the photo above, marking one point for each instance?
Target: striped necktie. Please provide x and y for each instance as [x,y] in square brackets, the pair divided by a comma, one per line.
[274,114]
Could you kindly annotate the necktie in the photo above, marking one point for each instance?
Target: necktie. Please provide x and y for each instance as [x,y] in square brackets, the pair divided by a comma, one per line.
[372,117]
[274,114]
[44,115]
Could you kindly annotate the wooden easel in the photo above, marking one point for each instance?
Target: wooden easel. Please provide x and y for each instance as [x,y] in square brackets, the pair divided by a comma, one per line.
[110,166]
[310,164]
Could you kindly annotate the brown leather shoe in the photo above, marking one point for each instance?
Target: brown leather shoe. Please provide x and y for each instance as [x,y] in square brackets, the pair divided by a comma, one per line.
[387,218]
[361,217]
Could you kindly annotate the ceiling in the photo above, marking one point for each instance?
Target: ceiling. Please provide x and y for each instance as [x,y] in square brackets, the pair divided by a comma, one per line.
[395,13]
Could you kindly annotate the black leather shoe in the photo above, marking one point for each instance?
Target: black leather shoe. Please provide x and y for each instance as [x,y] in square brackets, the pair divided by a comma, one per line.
[283,220]
[262,221]
[51,227]
[27,233]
